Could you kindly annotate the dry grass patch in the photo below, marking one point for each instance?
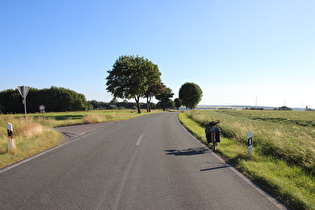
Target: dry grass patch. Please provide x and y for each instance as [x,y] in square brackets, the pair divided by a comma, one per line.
[90,119]
[30,138]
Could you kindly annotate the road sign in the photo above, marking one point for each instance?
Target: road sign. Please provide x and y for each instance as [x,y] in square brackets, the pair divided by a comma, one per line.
[41,109]
[23,90]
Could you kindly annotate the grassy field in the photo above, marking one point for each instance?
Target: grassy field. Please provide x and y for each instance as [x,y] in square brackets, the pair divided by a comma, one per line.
[36,134]
[283,159]
[56,119]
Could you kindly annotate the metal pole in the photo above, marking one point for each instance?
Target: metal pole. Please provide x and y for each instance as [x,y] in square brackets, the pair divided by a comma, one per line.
[24,102]
[23,90]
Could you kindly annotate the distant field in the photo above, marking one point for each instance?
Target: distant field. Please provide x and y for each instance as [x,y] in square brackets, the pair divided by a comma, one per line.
[301,118]
[289,135]
[283,159]
[55,119]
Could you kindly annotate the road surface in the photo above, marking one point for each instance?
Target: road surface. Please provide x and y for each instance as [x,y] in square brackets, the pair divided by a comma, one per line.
[149,162]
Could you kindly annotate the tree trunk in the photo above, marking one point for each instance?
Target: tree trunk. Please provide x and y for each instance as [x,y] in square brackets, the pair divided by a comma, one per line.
[148,104]
[138,104]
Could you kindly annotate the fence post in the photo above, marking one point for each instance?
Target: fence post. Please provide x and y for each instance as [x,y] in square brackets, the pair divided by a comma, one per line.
[11,143]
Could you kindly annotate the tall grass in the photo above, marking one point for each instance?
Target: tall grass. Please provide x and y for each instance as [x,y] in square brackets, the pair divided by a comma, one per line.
[30,138]
[283,158]
[288,141]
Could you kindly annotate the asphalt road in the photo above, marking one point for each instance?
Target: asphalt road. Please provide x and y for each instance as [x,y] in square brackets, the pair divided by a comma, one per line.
[149,162]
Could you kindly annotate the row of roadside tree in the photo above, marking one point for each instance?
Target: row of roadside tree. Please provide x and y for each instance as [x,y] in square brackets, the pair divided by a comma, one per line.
[58,99]
[132,77]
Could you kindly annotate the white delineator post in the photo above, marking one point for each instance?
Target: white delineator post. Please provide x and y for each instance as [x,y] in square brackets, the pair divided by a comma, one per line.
[11,143]
[250,143]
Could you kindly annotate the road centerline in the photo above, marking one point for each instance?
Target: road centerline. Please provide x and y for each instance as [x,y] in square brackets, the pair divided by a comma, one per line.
[139,140]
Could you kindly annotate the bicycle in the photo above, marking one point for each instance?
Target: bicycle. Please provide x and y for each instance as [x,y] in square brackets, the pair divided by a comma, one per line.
[213,134]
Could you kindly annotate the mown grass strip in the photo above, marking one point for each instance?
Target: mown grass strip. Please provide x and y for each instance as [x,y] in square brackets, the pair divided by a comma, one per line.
[287,183]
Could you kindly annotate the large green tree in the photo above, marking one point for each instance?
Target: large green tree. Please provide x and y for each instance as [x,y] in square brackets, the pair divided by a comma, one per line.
[190,94]
[153,91]
[164,96]
[131,77]
[178,103]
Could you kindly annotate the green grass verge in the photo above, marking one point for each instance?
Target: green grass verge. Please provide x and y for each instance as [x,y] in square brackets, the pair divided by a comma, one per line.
[288,183]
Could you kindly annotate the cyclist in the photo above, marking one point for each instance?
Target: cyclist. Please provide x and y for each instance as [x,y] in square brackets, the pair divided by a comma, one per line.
[213,133]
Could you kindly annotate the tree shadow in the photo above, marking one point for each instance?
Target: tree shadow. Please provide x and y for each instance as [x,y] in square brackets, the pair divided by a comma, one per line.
[65,117]
[187,152]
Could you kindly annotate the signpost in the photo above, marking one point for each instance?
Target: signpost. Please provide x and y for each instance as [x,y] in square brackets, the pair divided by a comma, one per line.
[23,90]
[250,143]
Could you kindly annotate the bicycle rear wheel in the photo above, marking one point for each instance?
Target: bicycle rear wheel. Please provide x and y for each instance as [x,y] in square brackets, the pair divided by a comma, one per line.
[214,142]
[214,146]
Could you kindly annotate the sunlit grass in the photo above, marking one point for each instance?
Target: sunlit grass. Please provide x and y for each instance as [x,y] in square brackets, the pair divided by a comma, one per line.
[287,183]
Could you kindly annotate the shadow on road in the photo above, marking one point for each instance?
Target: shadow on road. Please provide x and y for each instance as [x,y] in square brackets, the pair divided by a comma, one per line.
[190,151]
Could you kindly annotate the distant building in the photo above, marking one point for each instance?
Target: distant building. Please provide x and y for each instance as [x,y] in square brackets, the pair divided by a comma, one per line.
[113,106]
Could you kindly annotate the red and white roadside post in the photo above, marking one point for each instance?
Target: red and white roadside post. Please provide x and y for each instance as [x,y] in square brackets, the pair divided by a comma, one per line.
[11,143]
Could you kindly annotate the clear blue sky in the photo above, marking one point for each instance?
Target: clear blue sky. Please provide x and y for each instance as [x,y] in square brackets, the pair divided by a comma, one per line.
[236,51]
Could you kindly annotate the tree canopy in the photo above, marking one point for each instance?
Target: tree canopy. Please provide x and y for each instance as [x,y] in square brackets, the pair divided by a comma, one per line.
[131,77]
[190,95]
[164,95]
[55,99]
[178,103]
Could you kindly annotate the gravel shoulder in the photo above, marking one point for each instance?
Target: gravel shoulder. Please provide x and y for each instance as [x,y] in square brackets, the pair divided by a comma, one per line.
[73,131]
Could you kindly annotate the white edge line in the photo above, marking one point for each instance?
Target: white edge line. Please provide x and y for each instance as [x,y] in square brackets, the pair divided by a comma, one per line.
[13,165]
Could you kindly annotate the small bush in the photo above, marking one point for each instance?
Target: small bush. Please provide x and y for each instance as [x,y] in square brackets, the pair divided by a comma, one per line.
[89,119]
